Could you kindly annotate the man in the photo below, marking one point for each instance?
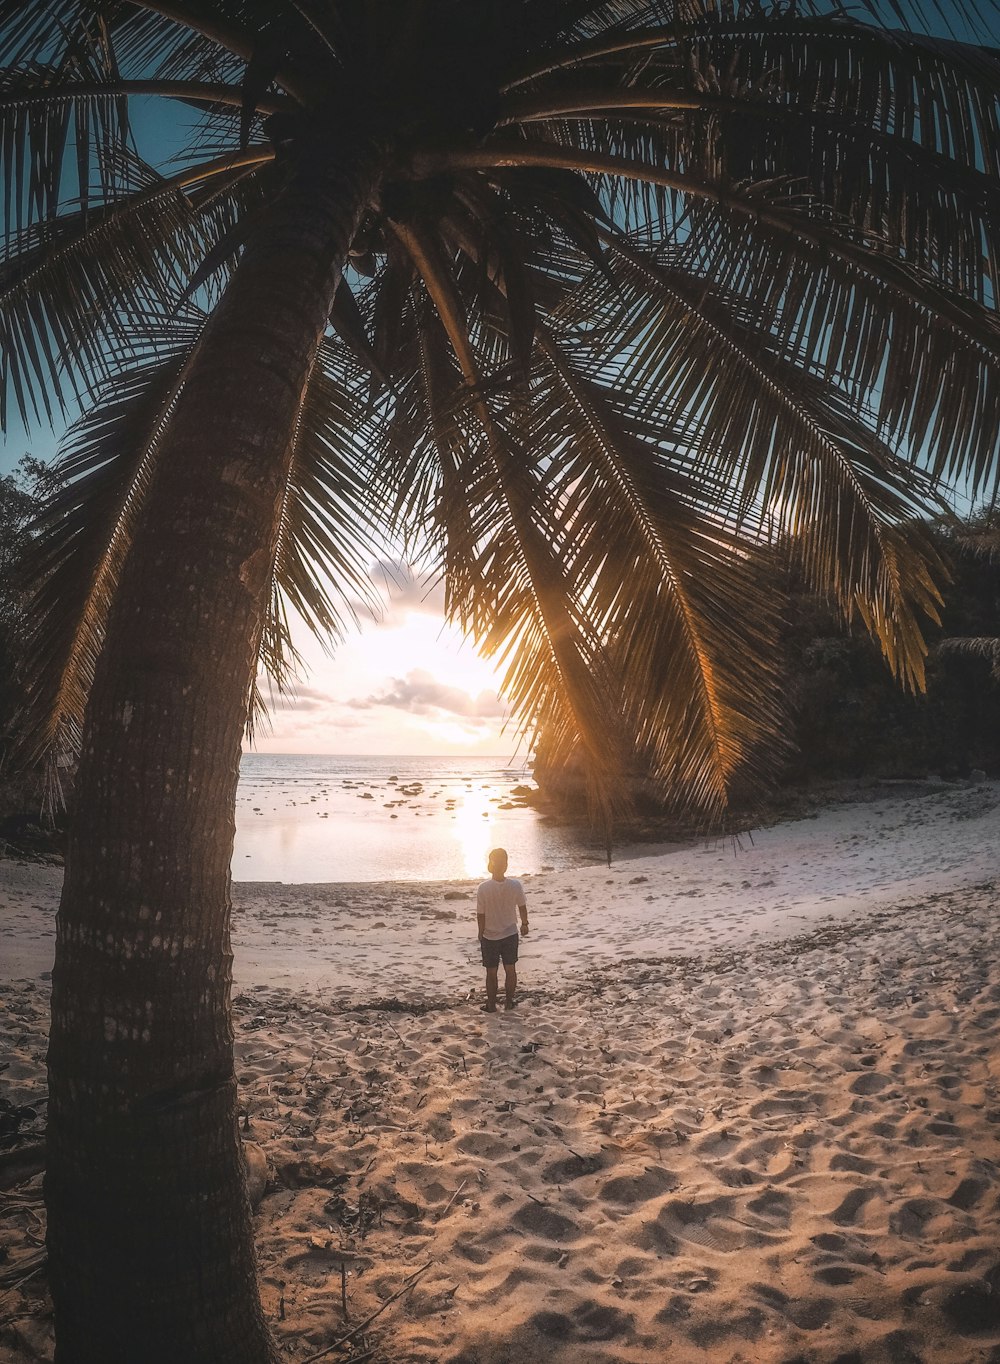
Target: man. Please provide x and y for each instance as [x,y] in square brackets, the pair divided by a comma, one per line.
[498,901]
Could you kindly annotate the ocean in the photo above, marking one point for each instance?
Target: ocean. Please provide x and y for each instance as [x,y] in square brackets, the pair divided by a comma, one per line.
[323,817]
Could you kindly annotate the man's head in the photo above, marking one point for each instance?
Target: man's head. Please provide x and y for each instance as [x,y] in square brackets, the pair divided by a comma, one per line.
[497,861]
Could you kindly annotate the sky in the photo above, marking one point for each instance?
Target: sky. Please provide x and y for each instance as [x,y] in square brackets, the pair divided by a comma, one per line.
[408,683]
[405,683]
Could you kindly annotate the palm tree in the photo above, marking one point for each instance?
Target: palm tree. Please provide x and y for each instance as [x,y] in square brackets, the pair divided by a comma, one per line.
[587,296]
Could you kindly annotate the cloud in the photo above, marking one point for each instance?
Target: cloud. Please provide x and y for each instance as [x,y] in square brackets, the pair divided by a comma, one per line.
[402,591]
[300,698]
[421,694]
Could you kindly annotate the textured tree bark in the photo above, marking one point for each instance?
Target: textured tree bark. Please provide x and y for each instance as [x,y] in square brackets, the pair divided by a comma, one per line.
[149,1231]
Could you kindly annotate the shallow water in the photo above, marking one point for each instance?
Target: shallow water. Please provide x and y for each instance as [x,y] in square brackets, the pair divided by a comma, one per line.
[323,817]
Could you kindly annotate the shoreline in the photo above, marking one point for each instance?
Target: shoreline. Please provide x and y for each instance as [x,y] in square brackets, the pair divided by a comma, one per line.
[417,939]
[754,1119]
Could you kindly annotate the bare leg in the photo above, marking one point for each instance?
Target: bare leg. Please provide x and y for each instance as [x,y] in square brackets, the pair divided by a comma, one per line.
[510,984]
[491,989]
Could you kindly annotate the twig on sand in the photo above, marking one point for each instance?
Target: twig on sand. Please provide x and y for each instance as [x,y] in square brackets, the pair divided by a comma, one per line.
[27,1316]
[451,1200]
[342,1340]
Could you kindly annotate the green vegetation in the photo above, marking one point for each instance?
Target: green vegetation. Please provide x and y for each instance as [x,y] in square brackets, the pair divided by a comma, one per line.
[848,716]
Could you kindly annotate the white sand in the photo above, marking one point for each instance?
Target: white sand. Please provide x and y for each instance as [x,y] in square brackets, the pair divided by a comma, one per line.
[746,1111]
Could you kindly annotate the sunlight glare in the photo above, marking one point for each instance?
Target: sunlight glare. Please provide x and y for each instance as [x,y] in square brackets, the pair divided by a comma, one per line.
[425,642]
[410,684]
[473,832]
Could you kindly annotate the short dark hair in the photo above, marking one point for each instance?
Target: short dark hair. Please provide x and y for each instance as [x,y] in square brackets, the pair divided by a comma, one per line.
[496,853]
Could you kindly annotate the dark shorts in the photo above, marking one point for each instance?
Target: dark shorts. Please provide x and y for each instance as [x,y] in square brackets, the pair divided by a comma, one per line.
[503,949]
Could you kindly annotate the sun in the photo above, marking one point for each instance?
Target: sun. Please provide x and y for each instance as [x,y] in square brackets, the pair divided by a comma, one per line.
[353,700]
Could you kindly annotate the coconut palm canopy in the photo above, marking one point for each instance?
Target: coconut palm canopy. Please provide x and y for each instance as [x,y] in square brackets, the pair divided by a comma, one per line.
[589,300]
[630,287]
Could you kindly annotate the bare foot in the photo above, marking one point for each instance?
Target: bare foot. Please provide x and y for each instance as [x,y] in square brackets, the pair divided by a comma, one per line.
[511,1004]
[489,1008]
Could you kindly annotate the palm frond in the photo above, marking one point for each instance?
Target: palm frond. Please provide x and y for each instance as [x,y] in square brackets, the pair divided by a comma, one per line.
[786,219]
[329,526]
[630,41]
[73,290]
[53,148]
[791,453]
[83,534]
[558,676]
[557,673]
[139,32]
[690,626]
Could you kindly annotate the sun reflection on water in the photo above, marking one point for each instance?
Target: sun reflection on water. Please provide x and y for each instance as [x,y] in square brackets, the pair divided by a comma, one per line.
[328,818]
[474,831]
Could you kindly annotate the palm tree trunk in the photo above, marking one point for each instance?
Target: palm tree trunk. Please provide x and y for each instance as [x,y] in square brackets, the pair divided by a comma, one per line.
[149,1232]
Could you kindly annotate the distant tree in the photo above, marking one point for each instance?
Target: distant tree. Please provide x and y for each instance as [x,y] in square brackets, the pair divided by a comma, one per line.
[971,624]
[23,494]
[847,716]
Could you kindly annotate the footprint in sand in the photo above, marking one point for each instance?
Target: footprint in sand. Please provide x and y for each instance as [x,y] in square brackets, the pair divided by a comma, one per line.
[631,1189]
[541,1220]
[969,1193]
[572,1167]
[591,1321]
[849,1209]
[772,1206]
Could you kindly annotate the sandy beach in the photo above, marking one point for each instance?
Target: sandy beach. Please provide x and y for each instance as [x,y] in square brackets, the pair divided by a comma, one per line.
[747,1109]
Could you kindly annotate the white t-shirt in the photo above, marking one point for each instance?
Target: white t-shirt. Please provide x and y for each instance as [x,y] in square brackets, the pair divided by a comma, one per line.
[497,901]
